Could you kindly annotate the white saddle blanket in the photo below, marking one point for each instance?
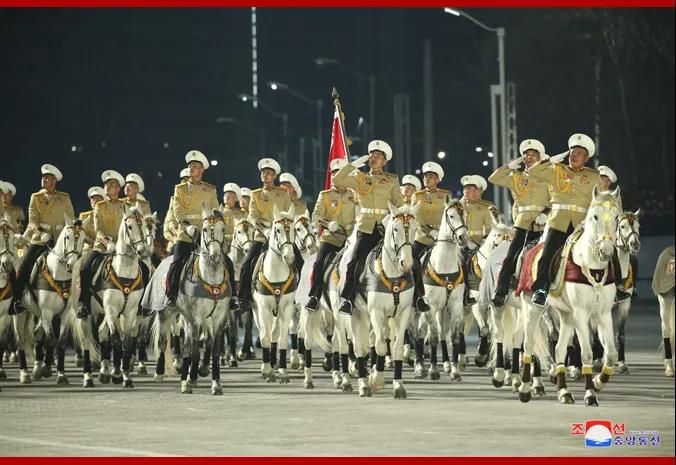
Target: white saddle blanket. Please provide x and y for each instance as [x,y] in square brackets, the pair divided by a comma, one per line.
[155,294]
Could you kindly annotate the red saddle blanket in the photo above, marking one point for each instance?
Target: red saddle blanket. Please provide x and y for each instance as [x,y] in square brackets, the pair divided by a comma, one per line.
[573,273]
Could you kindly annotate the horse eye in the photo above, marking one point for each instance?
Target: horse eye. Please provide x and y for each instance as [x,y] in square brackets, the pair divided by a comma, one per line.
[596,217]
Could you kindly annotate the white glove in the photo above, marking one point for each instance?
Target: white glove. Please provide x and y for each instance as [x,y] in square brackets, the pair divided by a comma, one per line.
[45,237]
[191,230]
[558,158]
[434,234]
[333,226]
[361,161]
[515,164]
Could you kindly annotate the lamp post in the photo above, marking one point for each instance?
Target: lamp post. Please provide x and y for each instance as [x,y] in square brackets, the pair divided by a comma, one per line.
[371,79]
[283,117]
[501,90]
[318,104]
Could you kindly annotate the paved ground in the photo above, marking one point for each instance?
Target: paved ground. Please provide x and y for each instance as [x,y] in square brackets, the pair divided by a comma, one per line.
[255,418]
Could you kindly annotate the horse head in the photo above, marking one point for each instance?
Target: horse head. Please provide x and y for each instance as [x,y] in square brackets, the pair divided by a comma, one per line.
[69,245]
[628,236]
[602,222]
[282,234]
[7,244]
[133,232]
[243,236]
[453,223]
[305,237]
[499,234]
[399,234]
[213,235]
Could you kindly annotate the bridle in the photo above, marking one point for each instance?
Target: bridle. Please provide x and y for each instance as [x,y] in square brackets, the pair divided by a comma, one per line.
[209,230]
[306,224]
[454,231]
[406,219]
[78,253]
[7,233]
[286,223]
[624,242]
[246,226]
[607,215]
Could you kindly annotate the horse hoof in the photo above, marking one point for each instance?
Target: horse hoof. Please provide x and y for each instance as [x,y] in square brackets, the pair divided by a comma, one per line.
[456,377]
[399,392]
[435,375]
[158,378]
[597,366]
[61,379]
[525,396]
[177,365]
[284,379]
[623,368]
[497,383]
[78,362]
[420,372]
[104,378]
[365,391]
[13,358]
[481,360]
[347,387]
[308,385]
[24,378]
[327,365]
[116,379]
[47,371]
[186,388]
[540,391]
[447,367]
[552,379]
[216,390]
[128,384]
[37,373]
[240,355]
[203,371]
[142,370]
[88,383]
[96,366]
[233,363]
[567,398]
[462,363]
[3,375]
[591,401]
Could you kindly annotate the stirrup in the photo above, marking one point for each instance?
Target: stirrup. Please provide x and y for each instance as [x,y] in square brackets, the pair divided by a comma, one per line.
[345,307]
[539,298]
[83,311]
[421,305]
[234,304]
[16,308]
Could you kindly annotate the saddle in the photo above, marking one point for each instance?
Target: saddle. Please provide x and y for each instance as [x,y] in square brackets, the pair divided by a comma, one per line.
[105,278]
[42,280]
[262,286]
[191,284]
[471,263]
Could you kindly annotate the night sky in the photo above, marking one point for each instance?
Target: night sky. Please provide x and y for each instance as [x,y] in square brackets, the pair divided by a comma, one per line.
[134,89]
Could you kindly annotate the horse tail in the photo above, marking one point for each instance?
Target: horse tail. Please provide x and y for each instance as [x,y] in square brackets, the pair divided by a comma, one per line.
[541,344]
[83,337]
[671,323]
[156,335]
[318,336]
[25,332]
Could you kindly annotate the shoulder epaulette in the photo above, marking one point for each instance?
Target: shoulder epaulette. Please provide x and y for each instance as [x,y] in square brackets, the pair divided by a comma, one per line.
[256,191]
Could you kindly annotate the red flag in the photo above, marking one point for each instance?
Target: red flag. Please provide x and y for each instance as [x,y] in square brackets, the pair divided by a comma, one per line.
[338,145]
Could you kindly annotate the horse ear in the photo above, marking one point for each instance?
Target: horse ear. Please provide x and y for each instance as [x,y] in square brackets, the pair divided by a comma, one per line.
[292,211]
[206,213]
[448,200]
[154,217]
[67,219]
[595,192]
[393,209]
[617,194]
[414,209]
[7,218]
[275,212]
[638,213]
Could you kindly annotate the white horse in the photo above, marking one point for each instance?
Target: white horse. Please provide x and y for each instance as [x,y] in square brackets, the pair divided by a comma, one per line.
[498,234]
[663,287]
[274,285]
[388,283]
[203,302]
[306,240]
[46,298]
[7,258]
[628,244]
[579,304]
[444,288]
[242,239]
[117,290]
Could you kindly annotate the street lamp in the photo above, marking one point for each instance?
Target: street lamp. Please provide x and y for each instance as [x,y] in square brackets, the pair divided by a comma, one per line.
[283,117]
[319,105]
[500,148]
[371,79]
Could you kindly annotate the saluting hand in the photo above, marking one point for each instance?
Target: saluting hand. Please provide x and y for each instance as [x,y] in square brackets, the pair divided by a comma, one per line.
[361,161]
[515,164]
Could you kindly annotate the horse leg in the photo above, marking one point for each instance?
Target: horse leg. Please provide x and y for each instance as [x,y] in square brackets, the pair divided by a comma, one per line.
[538,386]
[265,323]
[666,302]
[597,352]
[605,328]
[516,378]
[462,348]
[565,334]
[106,350]
[623,314]
[128,345]
[307,345]
[359,323]
[203,369]
[398,390]
[587,356]
[217,345]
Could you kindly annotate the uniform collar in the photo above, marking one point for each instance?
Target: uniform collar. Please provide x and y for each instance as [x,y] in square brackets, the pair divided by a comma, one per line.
[269,188]
[335,189]
[431,191]
[45,191]
[375,173]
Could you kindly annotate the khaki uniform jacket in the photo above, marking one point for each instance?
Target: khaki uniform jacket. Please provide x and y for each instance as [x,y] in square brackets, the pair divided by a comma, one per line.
[530,195]
[87,219]
[430,212]
[374,191]
[143,205]
[190,198]
[46,213]
[261,208]
[570,190]
[169,226]
[331,205]
[108,215]
[480,217]
[232,216]
[300,207]
[16,217]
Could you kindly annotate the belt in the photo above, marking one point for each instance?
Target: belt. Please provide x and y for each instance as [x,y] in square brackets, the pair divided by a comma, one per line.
[569,206]
[476,232]
[50,226]
[376,211]
[194,216]
[529,208]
